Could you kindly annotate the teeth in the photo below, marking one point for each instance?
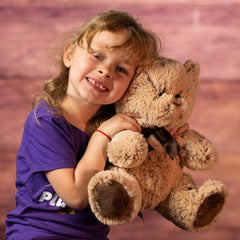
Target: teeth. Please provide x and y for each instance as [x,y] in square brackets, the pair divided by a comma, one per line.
[97,84]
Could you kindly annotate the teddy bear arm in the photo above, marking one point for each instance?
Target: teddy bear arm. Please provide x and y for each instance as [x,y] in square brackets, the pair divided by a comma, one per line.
[127,149]
[196,151]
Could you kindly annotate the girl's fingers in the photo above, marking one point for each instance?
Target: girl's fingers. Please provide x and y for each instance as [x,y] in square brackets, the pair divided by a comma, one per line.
[172,131]
[180,130]
[126,122]
[134,124]
[118,123]
[132,115]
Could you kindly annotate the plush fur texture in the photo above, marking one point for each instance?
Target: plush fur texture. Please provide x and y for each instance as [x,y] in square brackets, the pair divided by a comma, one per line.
[143,175]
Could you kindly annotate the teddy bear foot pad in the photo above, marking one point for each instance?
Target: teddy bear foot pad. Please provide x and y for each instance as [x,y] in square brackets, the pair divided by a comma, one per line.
[204,217]
[112,200]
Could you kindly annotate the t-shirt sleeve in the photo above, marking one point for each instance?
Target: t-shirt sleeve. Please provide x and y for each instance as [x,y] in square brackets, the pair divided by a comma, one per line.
[49,145]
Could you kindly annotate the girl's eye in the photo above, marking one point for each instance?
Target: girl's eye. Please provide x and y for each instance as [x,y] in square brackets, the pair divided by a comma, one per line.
[121,70]
[98,56]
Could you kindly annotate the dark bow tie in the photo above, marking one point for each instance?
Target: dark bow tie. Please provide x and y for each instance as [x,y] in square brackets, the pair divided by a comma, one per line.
[164,137]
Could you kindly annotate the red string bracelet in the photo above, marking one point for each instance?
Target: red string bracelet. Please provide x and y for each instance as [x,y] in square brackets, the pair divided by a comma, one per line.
[97,130]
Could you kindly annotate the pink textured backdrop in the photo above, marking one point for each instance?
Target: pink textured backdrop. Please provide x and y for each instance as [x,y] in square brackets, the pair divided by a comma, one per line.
[205,31]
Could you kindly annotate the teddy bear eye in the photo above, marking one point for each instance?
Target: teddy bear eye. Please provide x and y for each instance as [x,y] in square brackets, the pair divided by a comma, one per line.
[177,96]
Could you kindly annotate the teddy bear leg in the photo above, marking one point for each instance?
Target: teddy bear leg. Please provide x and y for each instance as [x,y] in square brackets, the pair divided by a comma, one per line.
[194,209]
[114,196]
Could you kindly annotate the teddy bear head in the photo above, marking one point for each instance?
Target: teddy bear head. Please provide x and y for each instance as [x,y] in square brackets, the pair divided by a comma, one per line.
[163,94]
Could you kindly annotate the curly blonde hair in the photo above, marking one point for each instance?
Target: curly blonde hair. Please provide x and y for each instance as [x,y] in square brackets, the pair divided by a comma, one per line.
[145,45]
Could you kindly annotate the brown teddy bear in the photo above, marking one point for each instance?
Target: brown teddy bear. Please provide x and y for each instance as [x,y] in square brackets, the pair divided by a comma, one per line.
[146,171]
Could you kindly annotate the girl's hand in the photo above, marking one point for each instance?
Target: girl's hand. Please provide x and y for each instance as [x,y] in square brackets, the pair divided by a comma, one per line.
[120,122]
[180,130]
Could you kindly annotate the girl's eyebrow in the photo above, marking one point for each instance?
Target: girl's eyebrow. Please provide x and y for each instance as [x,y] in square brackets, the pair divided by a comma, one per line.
[129,59]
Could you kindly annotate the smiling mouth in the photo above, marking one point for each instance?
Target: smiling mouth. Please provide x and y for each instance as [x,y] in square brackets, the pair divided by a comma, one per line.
[97,84]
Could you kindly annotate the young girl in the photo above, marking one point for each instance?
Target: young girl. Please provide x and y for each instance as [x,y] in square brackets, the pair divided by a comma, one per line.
[60,152]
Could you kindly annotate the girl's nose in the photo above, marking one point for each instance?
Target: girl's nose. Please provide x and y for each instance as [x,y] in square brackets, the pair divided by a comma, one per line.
[104,72]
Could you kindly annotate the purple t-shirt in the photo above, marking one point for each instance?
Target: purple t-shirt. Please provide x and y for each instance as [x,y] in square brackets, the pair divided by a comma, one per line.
[48,143]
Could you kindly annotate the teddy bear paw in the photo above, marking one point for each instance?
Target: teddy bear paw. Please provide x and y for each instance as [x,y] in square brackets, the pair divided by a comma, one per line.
[196,151]
[127,149]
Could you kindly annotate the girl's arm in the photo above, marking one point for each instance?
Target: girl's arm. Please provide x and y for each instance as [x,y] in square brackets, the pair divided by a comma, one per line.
[71,184]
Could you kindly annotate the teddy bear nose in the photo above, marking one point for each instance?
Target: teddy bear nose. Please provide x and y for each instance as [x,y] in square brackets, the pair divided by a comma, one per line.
[176,100]
[177,104]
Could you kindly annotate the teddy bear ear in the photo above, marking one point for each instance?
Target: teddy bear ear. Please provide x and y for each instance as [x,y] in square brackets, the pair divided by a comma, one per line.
[192,70]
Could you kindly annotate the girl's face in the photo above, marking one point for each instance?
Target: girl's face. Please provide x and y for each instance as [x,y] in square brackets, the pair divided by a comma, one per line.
[100,75]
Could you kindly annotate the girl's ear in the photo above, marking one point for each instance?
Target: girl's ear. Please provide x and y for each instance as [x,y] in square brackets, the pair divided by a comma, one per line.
[68,55]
